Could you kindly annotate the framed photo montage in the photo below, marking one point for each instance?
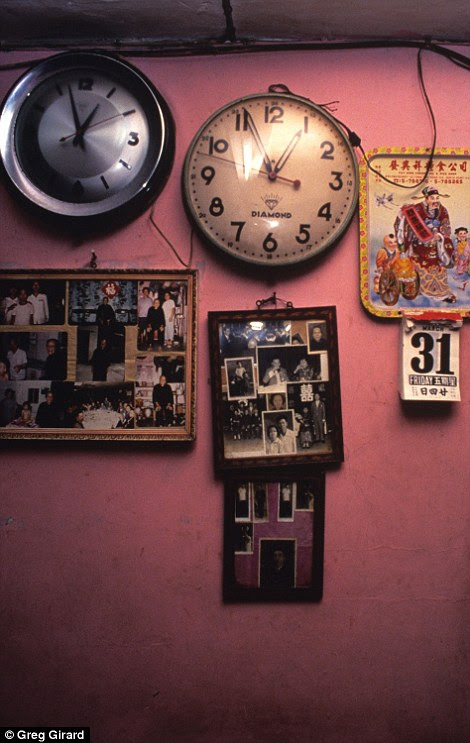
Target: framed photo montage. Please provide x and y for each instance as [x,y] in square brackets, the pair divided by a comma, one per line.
[274,537]
[98,355]
[275,389]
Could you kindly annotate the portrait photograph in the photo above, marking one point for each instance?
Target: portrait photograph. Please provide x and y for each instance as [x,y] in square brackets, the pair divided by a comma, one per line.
[280,436]
[240,377]
[282,404]
[276,552]
[70,366]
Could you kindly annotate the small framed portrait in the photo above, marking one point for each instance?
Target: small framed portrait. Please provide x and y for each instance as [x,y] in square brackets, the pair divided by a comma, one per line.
[276,553]
[239,375]
[276,402]
[96,371]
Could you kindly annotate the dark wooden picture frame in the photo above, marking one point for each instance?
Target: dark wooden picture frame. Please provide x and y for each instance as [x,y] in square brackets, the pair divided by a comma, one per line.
[98,355]
[274,539]
[286,412]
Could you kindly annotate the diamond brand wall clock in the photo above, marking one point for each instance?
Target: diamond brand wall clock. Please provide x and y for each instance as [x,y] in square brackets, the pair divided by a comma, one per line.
[271,179]
[85,138]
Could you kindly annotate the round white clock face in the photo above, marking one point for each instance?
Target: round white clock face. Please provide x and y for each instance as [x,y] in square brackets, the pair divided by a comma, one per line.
[85,135]
[271,179]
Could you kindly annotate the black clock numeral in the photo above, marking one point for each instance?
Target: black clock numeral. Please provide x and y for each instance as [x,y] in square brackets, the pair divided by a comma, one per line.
[269,243]
[207,174]
[328,149]
[337,184]
[241,122]
[217,145]
[239,226]
[85,83]
[273,114]
[216,207]
[304,234]
[325,211]
[133,139]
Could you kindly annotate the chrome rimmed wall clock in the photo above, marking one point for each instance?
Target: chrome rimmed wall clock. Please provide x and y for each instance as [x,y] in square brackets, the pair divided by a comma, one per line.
[271,179]
[86,139]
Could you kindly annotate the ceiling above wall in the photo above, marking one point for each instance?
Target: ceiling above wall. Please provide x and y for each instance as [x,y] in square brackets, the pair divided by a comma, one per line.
[173,23]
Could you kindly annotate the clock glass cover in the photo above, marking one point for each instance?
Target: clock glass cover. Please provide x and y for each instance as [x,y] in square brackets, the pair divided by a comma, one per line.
[271,179]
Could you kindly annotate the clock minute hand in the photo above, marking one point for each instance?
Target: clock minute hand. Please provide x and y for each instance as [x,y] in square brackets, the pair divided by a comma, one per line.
[287,152]
[259,142]
[76,120]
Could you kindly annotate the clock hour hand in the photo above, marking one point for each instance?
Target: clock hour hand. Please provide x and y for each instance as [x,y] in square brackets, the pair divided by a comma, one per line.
[78,138]
[98,123]
[287,152]
[259,142]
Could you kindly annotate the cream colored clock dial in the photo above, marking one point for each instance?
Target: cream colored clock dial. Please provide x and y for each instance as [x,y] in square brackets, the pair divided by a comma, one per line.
[271,179]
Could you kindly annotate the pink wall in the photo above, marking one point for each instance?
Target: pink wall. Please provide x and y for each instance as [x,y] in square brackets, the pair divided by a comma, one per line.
[111,559]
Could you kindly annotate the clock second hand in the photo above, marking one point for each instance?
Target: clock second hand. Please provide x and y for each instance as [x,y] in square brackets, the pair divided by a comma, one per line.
[98,123]
[296,183]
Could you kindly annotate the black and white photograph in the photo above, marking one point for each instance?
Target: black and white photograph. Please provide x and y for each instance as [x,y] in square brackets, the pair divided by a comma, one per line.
[242,339]
[286,501]
[280,436]
[100,357]
[240,378]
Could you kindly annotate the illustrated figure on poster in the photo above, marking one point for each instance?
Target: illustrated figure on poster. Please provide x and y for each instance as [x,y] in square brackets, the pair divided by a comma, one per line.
[461,251]
[101,361]
[424,234]
[318,418]
[386,257]
[162,397]
[275,374]
[40,305]
[169,310]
